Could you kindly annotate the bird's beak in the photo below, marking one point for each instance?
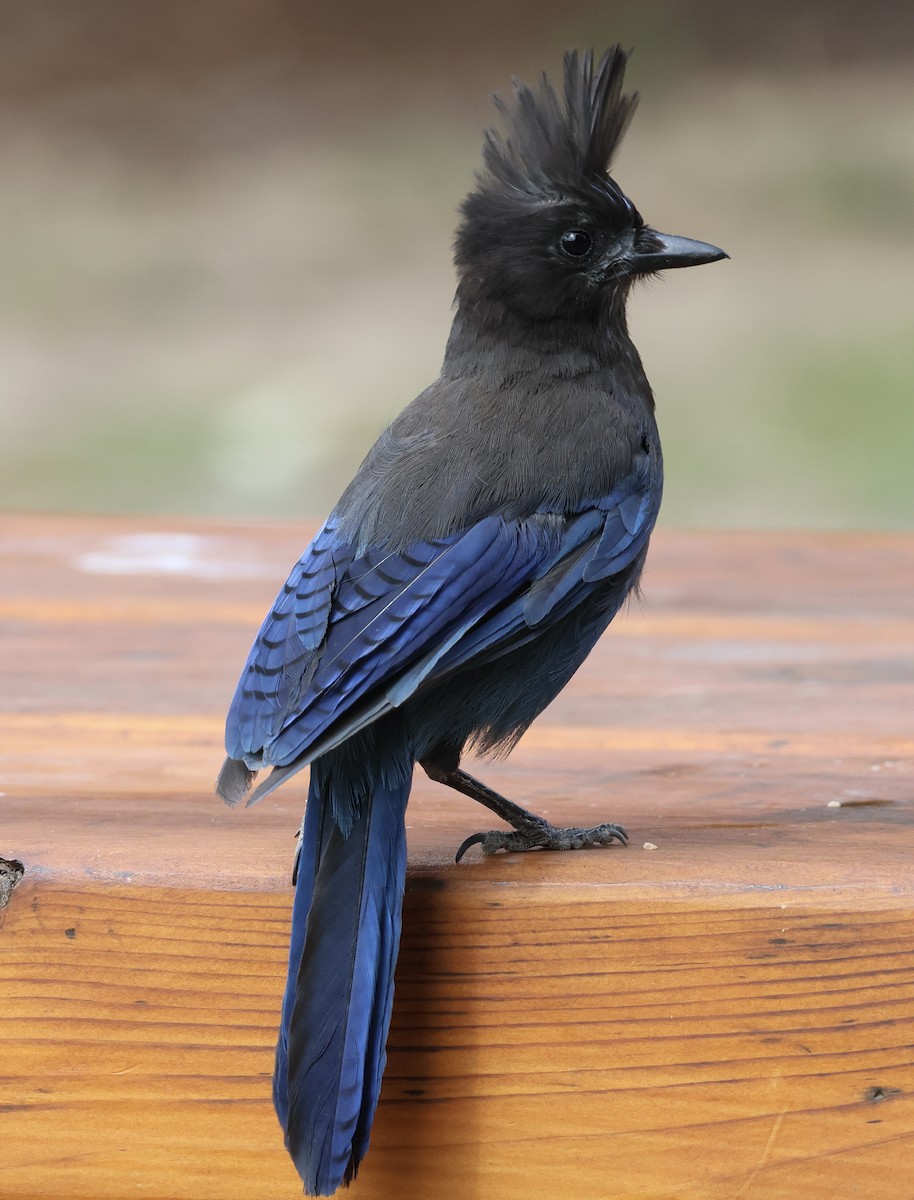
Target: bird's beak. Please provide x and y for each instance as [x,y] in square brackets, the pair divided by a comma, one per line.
[655,251]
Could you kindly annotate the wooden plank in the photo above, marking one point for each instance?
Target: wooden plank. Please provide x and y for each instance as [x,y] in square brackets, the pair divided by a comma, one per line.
[728,1015]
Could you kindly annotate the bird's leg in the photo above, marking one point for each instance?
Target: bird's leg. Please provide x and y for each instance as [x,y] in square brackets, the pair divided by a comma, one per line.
[530,831]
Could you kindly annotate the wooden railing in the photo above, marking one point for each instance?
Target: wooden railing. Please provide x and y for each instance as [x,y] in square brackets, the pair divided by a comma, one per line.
[725,1009]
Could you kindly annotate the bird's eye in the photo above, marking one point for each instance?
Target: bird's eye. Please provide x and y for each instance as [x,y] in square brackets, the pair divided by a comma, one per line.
[576,243]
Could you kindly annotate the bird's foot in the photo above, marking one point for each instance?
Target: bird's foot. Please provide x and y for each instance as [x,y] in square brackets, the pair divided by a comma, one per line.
[537,834]
[528,832]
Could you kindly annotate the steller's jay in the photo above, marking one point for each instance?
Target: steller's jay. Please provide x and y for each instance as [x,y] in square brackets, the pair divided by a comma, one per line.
[487,540]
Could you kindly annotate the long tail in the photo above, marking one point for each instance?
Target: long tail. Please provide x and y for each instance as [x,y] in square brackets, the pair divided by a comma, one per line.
[336,1011]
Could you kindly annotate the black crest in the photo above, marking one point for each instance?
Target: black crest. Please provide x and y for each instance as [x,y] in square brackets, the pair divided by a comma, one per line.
[551,140]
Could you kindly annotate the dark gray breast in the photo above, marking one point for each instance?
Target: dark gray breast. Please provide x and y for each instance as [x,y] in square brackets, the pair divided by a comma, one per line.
[465,449]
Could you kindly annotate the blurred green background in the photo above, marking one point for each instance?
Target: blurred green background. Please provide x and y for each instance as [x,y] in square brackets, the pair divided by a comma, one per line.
[226,233]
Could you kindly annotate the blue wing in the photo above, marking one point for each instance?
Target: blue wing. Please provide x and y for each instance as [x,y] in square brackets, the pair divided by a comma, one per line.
[288,643]
[352,635]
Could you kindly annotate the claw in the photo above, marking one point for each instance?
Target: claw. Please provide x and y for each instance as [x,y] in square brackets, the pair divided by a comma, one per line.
[613,831]
[475,839]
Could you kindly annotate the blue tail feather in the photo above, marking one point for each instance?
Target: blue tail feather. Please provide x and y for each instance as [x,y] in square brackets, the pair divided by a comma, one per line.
[336,1010]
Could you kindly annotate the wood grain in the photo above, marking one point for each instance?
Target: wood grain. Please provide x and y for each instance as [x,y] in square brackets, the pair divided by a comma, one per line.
[729,1015]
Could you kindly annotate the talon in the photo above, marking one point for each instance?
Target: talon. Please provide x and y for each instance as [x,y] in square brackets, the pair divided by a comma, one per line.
[607,833]
[475,839]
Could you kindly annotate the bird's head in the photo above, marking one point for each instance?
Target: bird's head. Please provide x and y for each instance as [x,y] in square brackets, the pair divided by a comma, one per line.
[547,233]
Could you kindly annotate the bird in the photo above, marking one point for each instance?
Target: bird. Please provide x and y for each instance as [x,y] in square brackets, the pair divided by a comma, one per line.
[486,541]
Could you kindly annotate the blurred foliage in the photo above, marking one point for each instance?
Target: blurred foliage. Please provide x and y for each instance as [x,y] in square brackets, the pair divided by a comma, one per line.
[226,227]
